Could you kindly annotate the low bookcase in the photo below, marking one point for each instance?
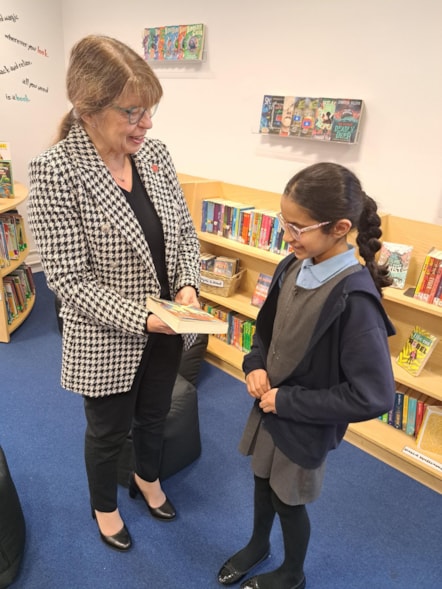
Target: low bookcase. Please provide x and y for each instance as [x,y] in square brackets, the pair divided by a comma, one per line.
[8,204]
[379,439]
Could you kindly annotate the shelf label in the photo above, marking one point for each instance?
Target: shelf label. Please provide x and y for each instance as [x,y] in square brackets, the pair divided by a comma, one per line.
[422,458]
[212,281]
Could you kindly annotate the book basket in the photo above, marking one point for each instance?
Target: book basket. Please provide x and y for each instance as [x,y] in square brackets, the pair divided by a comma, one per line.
[224,286]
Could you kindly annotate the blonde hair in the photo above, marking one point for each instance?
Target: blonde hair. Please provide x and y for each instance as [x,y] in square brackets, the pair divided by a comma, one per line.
[101,70]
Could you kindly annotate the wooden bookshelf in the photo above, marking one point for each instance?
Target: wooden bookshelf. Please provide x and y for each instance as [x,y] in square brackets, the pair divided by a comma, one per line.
[379,439]
[8,204]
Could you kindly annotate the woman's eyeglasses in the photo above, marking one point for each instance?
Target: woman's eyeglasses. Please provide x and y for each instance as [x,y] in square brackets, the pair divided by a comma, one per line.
[296,232]
[136,113]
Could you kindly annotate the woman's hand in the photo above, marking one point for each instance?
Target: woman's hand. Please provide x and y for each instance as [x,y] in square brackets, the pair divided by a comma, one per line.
[157,325]
[187,296]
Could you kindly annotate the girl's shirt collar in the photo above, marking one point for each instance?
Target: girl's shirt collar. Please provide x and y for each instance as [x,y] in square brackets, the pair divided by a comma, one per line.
[313,275]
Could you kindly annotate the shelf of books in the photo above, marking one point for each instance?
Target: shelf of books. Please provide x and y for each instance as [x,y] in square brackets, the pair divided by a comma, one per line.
[257,259]
[408,243]
[17,291]
[337,120]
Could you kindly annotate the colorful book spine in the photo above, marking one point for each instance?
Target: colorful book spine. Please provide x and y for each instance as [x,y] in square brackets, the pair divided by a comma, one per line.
[411,416]
[398,410]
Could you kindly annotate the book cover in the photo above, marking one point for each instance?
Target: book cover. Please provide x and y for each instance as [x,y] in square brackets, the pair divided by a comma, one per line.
[10,301]
[324,118]
[231,215]
[426,271]
[182,31]
[4,254]
[429,438]
[287,114]
[225,266]
[437,300]
[420,410]
[218,214]
[6,180]
[432,277]
[411,414]
[308,117]
[298,111]
[428,275]
[266,114]
[405,410]
[422,274]
[244,226]
[238,218]
[208,208]
[398,409]
[416,350]
[345,125]
[207,261]
[261,289]
[397,257]
[193,42]
[267,220]
[153,43]
[11,238]
[271,114]
[171,42]
[226,225]
[184,318]
[436,283]
[255,226]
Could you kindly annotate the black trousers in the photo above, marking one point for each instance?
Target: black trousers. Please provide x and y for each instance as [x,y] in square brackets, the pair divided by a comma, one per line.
[144,409]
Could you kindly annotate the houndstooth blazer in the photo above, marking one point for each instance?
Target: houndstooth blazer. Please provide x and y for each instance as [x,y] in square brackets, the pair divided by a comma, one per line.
[96,258]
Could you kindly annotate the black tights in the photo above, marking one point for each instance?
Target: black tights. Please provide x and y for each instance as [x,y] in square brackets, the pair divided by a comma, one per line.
[295,525]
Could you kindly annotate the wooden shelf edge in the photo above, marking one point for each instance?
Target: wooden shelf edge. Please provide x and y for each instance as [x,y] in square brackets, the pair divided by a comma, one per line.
[21,193]
[240,248]
[424,383]
[396,295]
[238,302]
[385,443]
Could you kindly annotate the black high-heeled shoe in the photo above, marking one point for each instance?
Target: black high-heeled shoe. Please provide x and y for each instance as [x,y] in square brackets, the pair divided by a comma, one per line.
[120,541]
[165,512]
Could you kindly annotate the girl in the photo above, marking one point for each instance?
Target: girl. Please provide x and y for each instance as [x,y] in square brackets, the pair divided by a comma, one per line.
[319,360]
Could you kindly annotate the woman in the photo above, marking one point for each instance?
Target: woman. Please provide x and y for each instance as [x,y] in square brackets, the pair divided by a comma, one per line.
[319,360]
[112,227]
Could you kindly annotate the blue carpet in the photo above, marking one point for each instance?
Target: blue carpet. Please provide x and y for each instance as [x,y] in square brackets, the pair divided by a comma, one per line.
[372,528]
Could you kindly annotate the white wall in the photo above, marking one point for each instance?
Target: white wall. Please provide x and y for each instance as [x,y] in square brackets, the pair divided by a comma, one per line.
[386,52]
[32,96]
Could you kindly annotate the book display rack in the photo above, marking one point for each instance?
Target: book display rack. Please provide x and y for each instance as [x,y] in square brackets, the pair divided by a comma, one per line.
[325,119]
[6,327]
[382,441]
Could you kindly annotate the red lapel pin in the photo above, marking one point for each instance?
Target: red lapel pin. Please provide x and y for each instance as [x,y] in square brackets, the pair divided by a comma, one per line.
[154,168]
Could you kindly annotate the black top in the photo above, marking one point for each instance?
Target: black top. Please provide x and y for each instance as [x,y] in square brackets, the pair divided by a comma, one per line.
[151,225]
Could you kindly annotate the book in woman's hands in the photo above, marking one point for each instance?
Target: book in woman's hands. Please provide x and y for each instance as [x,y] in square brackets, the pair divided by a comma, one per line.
[185,318]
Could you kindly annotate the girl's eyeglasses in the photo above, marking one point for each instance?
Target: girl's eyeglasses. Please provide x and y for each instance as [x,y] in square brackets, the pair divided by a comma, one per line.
[296,232]
[136,113]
